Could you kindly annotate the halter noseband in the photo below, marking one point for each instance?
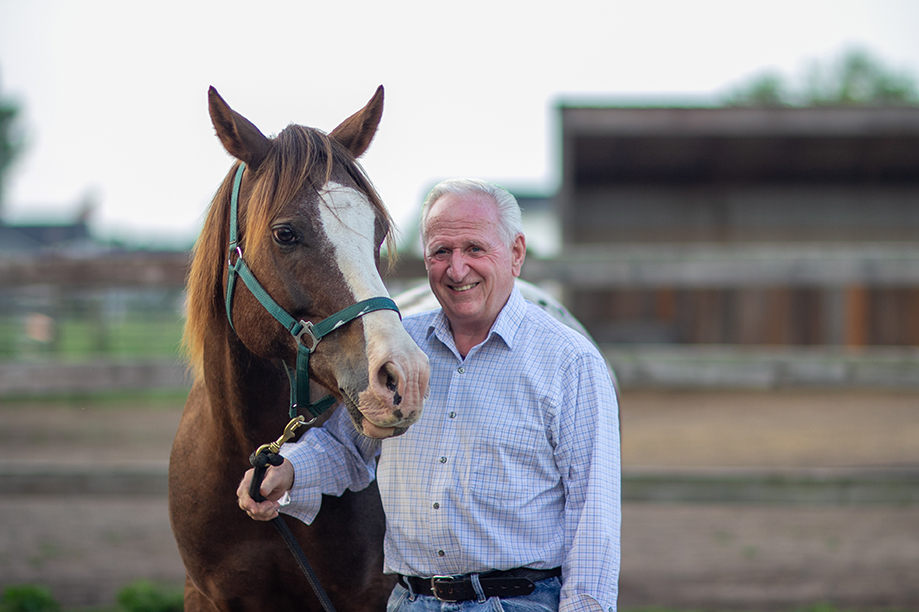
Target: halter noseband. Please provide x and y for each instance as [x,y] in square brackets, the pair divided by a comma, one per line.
[306,333]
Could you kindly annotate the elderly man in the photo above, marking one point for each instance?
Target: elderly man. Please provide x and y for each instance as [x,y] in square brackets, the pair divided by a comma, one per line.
[509,485]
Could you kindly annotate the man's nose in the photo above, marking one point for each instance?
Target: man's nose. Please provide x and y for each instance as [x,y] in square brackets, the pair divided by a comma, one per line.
[457,268]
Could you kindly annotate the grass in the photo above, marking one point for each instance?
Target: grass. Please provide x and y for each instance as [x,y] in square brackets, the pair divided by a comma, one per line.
[139,596]
[141,336]
[152,335]
[134,336]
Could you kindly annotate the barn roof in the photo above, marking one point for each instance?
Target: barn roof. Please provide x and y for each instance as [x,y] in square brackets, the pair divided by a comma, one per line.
[761,145]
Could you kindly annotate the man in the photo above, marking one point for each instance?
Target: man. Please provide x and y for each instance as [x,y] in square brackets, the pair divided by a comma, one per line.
[514,465]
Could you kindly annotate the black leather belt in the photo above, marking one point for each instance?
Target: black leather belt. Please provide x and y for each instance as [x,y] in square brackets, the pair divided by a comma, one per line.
[507,583]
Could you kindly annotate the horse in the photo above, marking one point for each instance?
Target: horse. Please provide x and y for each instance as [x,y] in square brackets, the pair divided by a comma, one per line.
[310,229]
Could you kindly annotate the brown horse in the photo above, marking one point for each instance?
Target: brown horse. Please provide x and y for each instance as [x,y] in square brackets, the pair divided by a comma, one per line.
[310,227]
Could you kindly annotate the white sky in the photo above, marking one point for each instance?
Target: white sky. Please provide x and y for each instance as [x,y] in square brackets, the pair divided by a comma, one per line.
[114,93]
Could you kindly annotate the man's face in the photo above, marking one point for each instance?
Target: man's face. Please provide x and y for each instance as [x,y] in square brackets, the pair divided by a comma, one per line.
[470,267]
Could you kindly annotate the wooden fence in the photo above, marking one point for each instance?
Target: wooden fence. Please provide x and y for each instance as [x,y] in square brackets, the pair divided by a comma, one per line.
[594,283]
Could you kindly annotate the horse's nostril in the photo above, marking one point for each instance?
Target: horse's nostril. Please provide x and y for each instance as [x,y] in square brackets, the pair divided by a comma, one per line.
[390,381]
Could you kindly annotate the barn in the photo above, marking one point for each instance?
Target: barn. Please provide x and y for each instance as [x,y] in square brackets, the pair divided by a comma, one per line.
[740,226]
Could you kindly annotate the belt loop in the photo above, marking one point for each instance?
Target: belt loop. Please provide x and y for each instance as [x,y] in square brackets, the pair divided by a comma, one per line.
[411,590]
[477,587]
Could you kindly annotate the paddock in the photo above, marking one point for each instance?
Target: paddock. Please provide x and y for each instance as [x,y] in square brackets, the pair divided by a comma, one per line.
[83,496]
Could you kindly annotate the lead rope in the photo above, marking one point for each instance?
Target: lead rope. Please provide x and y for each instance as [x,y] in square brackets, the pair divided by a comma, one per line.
[260,460]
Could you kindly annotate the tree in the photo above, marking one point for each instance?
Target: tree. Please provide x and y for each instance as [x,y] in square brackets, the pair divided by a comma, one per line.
[11,141]
[857,78]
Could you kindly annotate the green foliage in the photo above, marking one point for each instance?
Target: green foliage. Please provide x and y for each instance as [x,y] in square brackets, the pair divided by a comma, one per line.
[11,140]
[146,596]
[855,79]
[768,89]
[28,598]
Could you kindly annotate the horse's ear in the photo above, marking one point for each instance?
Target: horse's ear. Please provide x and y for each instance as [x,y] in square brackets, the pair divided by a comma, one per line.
[358,130]
[238,135]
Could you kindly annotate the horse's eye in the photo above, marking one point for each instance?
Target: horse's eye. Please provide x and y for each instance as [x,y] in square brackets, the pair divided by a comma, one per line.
[284,235]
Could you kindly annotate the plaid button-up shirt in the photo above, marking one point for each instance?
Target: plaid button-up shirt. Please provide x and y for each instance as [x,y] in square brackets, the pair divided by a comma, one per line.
[515,461]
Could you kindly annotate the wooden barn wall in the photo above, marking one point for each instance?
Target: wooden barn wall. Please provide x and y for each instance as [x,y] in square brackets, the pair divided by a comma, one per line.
[751,316]
[720,213]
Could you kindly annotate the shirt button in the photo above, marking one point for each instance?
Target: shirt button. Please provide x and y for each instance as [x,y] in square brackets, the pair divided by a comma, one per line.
[452,415]
[443,459]
[461,370]
[440,553]
[435,505]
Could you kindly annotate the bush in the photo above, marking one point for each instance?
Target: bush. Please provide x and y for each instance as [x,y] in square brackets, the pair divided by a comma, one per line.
[28,598]
[145,596]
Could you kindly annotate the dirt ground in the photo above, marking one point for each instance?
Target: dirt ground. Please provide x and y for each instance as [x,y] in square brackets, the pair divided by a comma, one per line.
[686,556]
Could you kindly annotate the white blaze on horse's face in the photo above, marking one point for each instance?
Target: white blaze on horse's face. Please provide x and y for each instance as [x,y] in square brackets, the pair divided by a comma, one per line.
[398,369]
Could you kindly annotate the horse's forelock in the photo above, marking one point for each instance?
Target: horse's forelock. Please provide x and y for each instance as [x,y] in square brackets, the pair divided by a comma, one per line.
[303,156]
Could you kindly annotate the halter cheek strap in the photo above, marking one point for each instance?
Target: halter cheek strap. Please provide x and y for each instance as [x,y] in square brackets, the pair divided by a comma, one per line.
[306,333]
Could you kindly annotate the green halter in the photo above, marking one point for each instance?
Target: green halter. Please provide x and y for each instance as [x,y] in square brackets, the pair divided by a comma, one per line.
[306,333]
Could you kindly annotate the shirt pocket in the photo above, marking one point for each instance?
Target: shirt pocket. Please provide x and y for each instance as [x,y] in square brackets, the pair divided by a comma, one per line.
[511,464]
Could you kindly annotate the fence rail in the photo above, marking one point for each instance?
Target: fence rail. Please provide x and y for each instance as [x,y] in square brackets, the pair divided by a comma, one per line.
[131,269]
[659,367]
[709,265]
[610,267]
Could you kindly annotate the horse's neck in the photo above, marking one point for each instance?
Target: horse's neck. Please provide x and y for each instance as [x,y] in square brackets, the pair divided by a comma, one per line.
[248,396]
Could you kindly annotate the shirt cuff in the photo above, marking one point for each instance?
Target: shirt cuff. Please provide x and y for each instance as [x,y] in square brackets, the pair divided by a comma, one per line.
[583,603]
[303,501]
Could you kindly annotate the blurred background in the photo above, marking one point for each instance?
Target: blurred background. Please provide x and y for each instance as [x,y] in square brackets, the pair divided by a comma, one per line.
[725,194]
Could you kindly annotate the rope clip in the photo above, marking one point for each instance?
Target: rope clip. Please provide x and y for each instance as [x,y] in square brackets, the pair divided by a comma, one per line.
[275,447]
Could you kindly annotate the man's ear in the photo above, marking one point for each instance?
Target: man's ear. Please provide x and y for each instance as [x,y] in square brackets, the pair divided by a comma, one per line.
[518,254]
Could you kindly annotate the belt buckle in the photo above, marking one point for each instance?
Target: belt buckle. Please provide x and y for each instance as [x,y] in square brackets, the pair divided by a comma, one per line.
[440,580]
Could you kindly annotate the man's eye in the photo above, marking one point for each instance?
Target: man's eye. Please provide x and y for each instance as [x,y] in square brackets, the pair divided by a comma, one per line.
[284,235]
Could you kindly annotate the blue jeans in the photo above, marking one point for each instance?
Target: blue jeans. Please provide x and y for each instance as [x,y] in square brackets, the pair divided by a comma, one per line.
[543,599]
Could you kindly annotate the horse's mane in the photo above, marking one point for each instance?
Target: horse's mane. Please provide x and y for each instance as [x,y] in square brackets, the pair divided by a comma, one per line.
[299,156]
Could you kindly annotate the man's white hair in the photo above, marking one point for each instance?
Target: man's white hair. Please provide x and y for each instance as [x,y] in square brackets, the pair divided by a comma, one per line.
[509,221]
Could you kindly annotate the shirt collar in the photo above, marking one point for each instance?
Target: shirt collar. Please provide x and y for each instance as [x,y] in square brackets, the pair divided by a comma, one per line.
[505,326]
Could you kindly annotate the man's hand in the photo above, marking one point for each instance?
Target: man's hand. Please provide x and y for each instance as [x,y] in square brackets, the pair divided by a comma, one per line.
[278,481]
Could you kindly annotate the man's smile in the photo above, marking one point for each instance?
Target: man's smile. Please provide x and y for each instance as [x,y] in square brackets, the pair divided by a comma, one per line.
[460,288]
